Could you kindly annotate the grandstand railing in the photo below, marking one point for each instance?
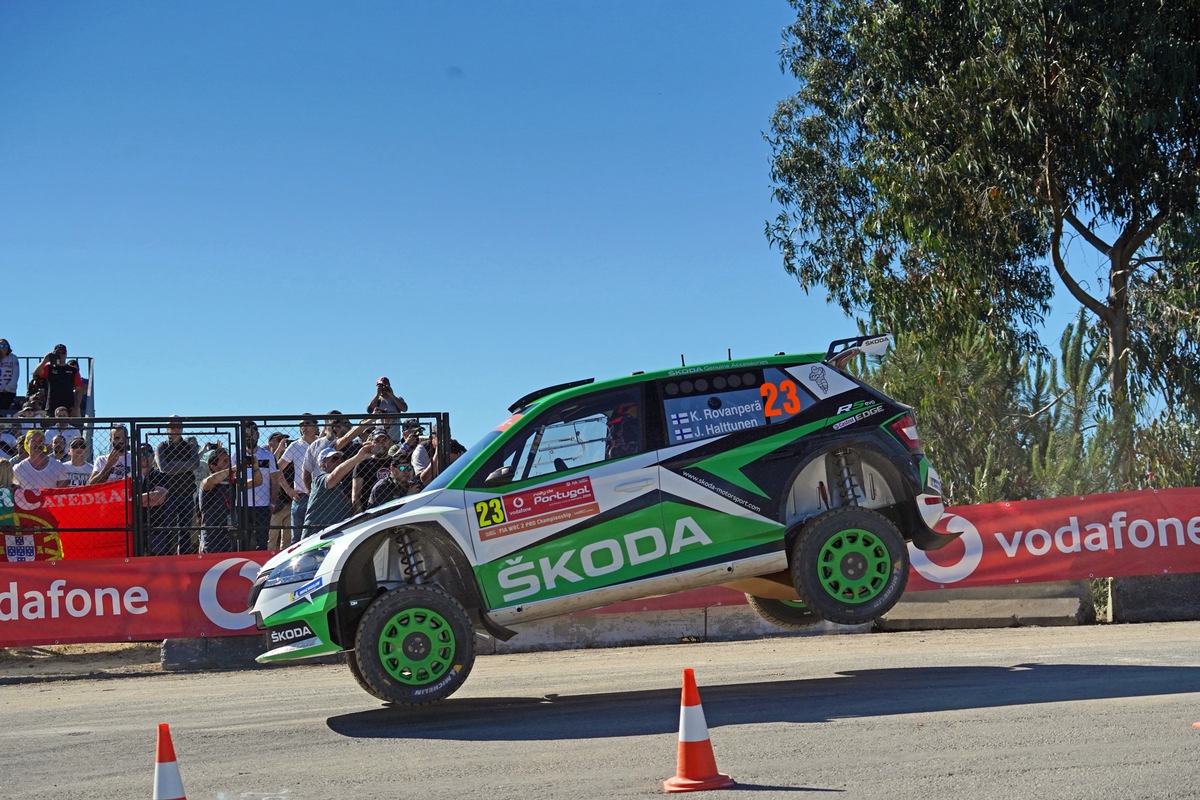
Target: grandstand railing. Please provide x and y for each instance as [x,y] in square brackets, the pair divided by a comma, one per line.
[87,371]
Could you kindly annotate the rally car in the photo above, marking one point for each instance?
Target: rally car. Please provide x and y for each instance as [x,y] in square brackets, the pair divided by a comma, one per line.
[783,477]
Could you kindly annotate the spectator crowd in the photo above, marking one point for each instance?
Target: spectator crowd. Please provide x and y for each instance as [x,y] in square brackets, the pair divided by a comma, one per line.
[215,497]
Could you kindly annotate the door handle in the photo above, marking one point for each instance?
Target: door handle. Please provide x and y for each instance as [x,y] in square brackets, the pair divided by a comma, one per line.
[634,486]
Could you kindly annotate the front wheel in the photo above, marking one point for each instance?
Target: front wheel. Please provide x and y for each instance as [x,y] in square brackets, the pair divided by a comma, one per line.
[784,613]
[415,645]
[356,671]
[850,565]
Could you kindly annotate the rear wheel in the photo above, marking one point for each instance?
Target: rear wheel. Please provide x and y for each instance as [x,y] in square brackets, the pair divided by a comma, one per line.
[850,565]
[415,645]
[784,613]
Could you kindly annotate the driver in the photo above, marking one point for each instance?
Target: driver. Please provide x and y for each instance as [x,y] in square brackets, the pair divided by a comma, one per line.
[624,432]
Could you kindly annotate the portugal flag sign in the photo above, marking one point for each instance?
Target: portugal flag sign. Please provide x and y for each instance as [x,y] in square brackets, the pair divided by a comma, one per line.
[53,524]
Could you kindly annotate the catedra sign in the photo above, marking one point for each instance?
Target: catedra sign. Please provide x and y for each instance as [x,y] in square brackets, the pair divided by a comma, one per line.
[85,522]
[115,600]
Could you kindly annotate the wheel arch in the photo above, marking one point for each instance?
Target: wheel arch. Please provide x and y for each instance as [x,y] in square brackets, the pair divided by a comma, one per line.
[802,499]
[380,563]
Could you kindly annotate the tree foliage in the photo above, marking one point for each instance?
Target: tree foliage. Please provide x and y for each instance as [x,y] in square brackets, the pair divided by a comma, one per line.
[941,158]
[1001,425]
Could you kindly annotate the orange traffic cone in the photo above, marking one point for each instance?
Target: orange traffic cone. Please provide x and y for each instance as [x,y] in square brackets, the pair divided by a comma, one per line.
[167,783]
[697,770]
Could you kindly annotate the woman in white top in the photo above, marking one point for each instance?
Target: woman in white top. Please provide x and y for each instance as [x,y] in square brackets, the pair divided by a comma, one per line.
[39,470]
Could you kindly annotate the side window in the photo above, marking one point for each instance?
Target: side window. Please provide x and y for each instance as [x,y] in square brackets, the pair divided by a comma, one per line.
[715,404]
[576,433]
[783,396]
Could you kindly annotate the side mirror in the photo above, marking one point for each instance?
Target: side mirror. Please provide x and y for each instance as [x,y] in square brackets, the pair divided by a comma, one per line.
[499,477]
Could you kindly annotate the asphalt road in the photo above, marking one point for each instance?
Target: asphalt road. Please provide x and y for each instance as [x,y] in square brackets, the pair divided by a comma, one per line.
[1096,712]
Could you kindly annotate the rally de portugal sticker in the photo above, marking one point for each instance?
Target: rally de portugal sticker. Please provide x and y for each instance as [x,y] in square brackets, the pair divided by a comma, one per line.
[533,508]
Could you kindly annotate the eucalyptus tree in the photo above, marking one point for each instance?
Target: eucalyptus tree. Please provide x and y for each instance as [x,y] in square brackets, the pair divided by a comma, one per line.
[942,161]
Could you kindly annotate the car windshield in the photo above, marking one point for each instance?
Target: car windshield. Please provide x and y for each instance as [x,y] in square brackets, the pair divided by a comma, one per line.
[458,464]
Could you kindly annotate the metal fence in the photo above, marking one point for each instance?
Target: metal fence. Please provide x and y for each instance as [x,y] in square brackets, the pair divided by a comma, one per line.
[226,484]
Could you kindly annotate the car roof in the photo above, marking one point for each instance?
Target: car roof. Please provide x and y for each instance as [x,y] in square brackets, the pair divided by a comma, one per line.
[562,391]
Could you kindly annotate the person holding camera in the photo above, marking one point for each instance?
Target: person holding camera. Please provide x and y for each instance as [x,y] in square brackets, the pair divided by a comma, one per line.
[281,502]
[424,458]
[386,401]
[115,466]
[329,501]
[372,469]
[262,495]
[64,385]
[217,492]
[337,434]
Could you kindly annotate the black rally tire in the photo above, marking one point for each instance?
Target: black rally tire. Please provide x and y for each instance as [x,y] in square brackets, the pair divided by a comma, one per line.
[356,671]
[796,616]
[415,645]
[850,565]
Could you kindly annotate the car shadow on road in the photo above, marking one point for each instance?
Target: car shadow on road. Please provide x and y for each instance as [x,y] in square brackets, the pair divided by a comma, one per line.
[868,693]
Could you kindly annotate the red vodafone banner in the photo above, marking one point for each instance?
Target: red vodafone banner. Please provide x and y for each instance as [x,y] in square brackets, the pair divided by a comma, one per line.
[118,600]
[146,599]
[52,524]
[1150,532]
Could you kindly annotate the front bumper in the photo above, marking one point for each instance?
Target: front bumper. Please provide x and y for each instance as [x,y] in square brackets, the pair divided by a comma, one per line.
[298,627]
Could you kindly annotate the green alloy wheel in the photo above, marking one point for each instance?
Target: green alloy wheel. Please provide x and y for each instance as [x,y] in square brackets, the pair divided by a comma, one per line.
[415,645]
[784,613]
[850,565]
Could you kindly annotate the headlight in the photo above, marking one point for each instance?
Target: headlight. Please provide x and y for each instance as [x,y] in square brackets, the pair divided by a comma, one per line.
[301,567]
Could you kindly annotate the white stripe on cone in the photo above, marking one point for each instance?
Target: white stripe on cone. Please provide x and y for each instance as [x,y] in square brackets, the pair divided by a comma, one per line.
[168,785]
[692,727]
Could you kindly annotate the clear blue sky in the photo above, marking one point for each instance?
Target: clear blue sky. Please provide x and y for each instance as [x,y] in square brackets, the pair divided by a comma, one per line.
[259,208]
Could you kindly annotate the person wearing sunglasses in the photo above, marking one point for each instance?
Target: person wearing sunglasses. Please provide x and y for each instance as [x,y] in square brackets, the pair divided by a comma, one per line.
[79,469]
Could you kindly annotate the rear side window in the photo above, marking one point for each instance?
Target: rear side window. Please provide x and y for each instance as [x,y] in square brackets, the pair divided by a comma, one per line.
[717,403]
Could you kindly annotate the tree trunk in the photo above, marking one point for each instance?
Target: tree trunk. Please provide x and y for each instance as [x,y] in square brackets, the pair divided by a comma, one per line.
[1118,359]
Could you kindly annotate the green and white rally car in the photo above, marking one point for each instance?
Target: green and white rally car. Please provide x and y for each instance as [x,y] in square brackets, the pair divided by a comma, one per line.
[782,477]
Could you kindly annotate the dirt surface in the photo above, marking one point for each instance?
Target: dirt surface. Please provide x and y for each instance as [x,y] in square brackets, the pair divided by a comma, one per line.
[1102,712]
[66,661]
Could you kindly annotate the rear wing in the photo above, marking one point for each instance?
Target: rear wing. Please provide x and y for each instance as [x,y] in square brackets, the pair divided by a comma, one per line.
[842,350]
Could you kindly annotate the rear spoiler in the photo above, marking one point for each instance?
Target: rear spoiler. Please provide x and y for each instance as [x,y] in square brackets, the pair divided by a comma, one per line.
[842,350]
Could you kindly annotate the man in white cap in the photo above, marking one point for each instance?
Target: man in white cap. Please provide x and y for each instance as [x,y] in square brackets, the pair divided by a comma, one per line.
[329,500]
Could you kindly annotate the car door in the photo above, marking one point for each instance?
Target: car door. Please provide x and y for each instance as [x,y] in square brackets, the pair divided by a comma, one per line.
[718,481]
[581,511]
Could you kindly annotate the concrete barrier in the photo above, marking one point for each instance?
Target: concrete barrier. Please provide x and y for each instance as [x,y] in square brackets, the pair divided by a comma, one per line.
[710,615]
[1041,604]
[1157,598]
